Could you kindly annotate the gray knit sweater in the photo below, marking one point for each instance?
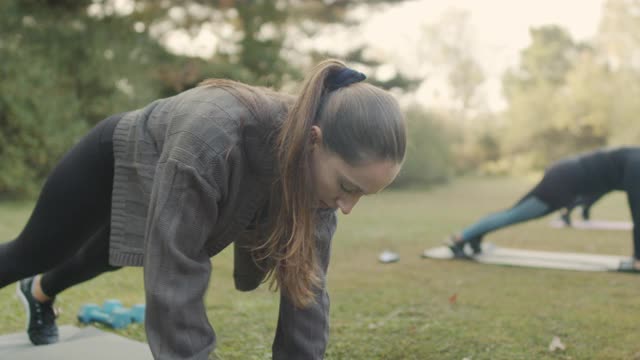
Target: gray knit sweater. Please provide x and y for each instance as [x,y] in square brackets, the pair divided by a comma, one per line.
[191,171]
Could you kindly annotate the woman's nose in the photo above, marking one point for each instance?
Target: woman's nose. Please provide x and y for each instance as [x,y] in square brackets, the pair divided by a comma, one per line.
[347,204]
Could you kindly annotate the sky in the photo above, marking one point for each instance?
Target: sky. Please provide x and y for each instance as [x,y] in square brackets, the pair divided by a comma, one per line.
[500,31]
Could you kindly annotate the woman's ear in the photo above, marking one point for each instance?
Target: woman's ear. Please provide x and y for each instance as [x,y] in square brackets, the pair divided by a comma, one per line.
[315,136]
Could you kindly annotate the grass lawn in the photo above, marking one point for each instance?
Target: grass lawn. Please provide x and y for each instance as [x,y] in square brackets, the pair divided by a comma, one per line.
[402,310]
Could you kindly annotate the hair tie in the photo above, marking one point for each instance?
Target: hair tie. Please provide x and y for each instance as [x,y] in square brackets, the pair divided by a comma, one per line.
[343,77]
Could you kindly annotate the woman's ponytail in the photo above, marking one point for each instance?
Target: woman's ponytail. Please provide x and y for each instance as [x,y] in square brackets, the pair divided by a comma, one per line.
[291,245]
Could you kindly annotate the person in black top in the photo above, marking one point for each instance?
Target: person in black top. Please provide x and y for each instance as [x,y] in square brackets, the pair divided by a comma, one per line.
[580,179]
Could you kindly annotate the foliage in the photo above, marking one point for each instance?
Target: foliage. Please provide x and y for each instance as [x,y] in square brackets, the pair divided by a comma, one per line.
[428,159]
[478,144]
[67,65]
[556,102]
[61,74]
[618,43]
[567,97]
[618,38]
[624,92]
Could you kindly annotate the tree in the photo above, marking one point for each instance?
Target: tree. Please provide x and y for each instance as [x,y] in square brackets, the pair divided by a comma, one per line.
[68,64]
[618,44]
[252,35]
[618,36]
[545,62]
[550,115]
[448,44]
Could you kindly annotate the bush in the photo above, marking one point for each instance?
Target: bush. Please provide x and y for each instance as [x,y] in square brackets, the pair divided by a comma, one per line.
[428,159]
[61,74]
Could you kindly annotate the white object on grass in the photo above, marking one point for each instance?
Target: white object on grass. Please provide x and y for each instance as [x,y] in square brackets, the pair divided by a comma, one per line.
[387,256]
[556,344]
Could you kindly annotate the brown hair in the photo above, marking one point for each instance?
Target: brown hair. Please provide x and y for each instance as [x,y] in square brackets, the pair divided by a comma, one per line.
[360,123]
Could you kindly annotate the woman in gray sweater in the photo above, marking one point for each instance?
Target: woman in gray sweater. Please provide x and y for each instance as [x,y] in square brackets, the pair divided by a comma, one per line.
[170,185]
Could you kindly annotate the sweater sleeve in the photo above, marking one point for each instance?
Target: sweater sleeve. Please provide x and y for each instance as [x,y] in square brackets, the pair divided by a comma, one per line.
[181,216]
[304,333]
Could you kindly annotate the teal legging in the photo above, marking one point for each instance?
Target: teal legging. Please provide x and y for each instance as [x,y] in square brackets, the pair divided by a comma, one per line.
[527,209]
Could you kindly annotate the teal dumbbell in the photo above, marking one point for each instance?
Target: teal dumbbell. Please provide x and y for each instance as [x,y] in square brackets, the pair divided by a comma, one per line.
[117,319]
[109,305]
[136,312]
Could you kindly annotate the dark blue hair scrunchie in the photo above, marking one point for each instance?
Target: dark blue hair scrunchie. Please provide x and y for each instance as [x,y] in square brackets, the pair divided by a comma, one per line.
[343,77]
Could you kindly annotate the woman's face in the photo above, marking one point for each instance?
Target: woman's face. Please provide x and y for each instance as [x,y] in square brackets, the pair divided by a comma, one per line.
[340,185]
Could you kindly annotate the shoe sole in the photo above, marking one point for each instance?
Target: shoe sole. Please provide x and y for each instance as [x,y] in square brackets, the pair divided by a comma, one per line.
[25,302]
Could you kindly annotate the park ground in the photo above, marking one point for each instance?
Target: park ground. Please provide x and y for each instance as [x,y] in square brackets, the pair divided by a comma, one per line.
[416,308]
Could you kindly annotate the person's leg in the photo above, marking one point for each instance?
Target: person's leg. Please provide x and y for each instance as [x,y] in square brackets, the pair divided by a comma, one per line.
[38,293]
[528,208]
[90,261]
[556,189]
[74,203]
[565,215]
[589,202]
[586,212]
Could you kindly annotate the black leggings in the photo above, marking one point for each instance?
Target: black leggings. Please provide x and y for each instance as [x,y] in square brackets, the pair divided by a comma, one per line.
[67,235]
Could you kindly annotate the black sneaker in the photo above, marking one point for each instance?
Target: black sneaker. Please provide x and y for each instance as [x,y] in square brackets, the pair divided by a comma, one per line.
[476,245]
[41,317]
[457,248]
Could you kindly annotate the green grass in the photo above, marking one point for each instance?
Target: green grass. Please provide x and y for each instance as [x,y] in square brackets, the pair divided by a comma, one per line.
[401,310]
